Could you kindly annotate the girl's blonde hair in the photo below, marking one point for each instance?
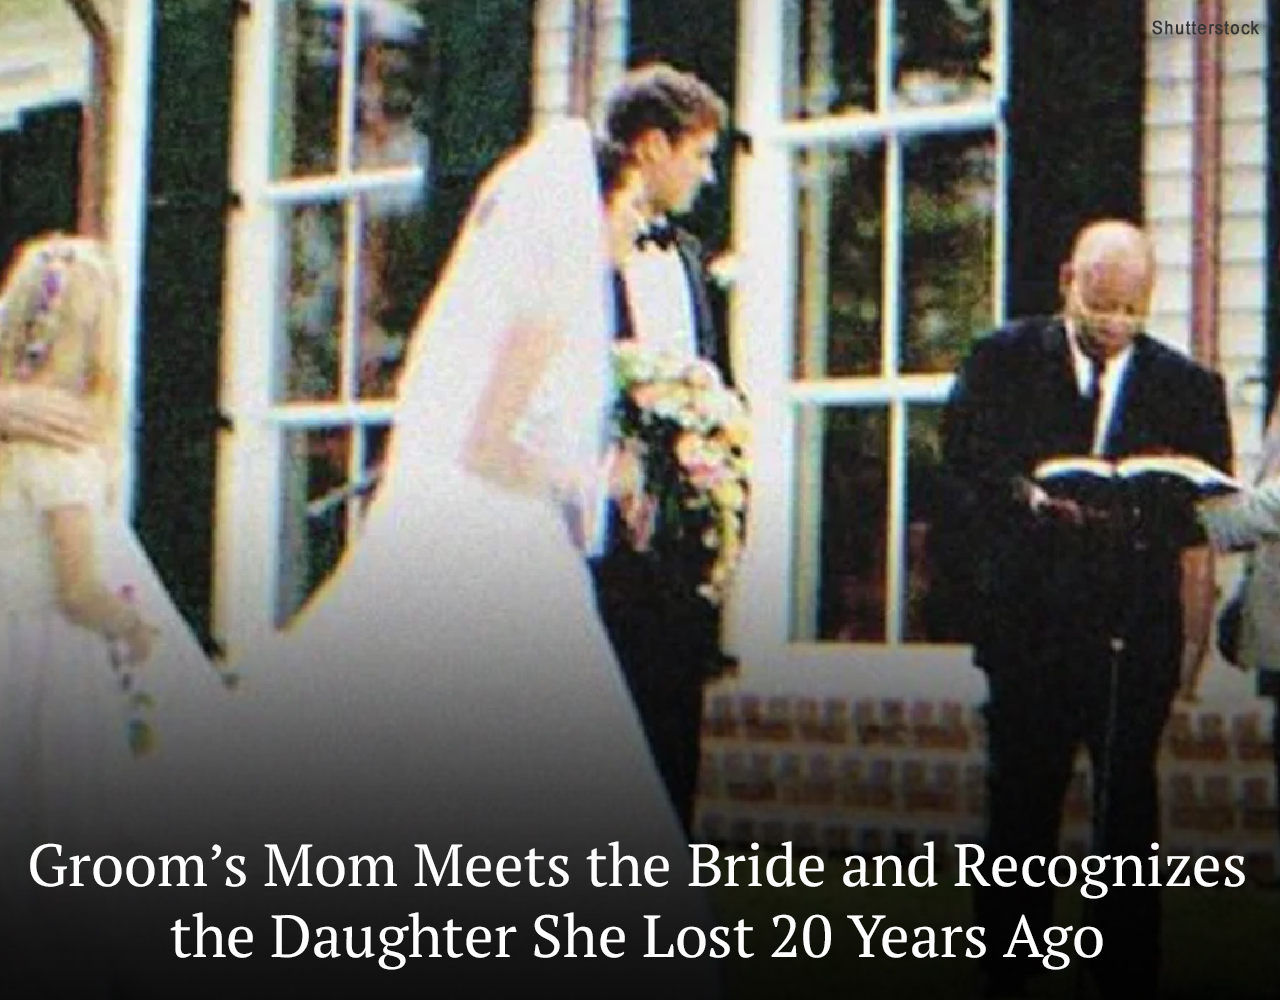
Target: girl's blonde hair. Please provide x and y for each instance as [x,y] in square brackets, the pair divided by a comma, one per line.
[58,286]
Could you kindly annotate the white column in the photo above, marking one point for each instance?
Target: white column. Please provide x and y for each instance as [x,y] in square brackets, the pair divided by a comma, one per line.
[249,463]
[126,220]
[761,323]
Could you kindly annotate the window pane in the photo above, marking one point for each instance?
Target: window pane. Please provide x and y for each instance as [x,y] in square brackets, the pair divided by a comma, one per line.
[308,88]
[841,262]
[376,439]
[831,57]
[390,284]
[383,113]
[313,518]
[393,259]
[314,238]
[391,107]
[944,53]
[924,493]
[841,523]
[948,252]
[323,504]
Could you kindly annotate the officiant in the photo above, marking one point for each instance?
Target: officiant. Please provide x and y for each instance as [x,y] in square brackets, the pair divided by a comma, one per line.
[1082,635]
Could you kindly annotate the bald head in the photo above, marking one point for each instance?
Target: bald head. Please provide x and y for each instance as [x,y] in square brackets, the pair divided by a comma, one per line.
[1113,243]
[1107,284]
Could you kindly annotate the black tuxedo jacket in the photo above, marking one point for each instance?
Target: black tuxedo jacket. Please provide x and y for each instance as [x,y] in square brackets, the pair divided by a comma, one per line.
[1016,402]
[710,329]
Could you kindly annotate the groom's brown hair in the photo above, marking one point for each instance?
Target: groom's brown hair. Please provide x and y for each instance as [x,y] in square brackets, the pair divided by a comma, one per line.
[658,95]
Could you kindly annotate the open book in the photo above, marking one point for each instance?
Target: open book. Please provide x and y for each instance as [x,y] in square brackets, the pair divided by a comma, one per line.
[1199,473]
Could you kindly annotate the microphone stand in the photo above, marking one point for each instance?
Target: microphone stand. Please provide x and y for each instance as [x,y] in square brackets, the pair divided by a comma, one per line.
[1123,542]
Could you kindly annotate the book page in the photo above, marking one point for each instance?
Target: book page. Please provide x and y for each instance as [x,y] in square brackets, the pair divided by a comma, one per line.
[1186,466]
[1074,465]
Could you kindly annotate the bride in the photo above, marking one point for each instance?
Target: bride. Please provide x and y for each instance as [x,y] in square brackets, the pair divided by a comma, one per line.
[451,685]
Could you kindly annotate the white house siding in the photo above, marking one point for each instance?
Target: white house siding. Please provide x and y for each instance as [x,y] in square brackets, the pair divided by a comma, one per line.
[1168,196]
[554,25]
[45,57]
[552,59]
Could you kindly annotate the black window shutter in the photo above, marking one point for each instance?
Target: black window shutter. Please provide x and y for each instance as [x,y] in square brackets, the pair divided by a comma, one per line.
[180,309]
[479,105]
[1075,134]
[39,175]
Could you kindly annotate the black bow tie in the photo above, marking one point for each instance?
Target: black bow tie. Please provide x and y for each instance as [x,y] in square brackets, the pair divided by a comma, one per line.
[660,233]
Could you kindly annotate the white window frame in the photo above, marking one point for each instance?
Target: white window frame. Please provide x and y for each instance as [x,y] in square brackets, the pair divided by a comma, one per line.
[763,324]
[250,468]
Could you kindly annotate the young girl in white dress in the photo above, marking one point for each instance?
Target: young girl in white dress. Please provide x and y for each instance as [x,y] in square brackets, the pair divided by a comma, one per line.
[79,606]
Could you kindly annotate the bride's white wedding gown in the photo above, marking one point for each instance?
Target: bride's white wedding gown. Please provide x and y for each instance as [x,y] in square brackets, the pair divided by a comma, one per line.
[452,683]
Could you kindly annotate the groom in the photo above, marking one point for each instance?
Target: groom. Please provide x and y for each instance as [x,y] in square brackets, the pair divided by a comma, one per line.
[666,637]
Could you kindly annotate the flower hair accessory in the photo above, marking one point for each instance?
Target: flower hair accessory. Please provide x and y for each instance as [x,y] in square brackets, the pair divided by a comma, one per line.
[38,334]
[57,263]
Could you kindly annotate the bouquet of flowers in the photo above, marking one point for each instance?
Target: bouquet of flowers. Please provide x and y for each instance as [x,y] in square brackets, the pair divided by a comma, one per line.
[689,436]
[139,729]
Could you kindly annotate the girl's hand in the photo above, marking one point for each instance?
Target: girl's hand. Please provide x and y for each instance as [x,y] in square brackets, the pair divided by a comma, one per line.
[137,642]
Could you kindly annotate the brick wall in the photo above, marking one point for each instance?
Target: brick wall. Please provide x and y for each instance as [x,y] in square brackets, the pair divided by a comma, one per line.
[886,775]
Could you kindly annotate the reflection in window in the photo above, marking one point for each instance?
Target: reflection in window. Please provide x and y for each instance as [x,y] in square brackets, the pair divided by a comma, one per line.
[330,477]
[942,55]
[948,251]
[377,114]
[840,526]
[352,86]
[314,525]
[845,537]
[924,493]
[943,52]
[947,255]
[308,88]
[316,236]
[832,58]
[841,265]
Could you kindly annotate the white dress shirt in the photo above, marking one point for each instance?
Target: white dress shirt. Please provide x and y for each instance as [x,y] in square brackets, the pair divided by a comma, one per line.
[1112,380]
[660,301]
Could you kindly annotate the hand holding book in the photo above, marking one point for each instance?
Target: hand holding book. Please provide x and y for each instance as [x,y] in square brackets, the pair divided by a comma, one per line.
[1188,469]
[1147,491]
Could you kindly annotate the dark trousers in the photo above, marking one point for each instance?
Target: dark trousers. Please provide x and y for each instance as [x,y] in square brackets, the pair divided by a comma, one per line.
[1269,687]
[665,642]
[1041,709]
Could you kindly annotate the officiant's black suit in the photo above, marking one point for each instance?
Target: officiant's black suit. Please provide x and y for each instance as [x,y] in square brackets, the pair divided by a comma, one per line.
[1054,603]
[666,638]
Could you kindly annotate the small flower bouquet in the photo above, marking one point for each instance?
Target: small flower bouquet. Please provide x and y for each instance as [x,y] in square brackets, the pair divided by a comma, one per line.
[690,437]
[139,729]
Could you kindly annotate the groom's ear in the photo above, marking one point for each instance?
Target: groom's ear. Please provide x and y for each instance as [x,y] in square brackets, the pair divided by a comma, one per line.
[1066,275]
[651,146]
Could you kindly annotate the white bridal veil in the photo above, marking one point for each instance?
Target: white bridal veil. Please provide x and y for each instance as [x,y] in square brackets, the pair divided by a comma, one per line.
[532,251]
[452,684]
